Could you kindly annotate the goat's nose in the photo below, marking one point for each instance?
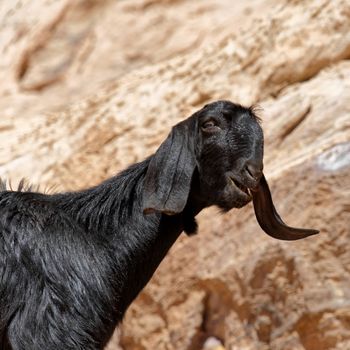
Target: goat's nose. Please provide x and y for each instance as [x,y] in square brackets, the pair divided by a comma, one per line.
[253,170]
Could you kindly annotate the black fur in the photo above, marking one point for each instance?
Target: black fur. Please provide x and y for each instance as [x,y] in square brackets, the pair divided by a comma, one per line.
[71,263]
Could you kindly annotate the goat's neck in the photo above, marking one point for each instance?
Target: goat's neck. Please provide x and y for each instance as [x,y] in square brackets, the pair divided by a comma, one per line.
[138,242]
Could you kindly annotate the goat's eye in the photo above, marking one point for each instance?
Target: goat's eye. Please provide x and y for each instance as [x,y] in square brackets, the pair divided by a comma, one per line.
[210,126]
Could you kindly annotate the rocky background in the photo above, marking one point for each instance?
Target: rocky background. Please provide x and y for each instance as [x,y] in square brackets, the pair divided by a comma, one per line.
[88,87]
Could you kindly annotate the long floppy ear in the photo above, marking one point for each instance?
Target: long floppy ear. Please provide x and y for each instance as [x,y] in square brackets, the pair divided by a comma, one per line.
[169,174]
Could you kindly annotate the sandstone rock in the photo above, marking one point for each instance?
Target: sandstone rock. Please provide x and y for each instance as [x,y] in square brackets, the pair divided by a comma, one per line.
[231,282]
[53,52]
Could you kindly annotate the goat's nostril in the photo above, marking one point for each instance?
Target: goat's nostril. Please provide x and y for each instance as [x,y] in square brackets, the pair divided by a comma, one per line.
[254,171]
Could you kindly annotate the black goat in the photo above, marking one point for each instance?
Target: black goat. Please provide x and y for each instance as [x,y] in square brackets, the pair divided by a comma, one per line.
[71,263]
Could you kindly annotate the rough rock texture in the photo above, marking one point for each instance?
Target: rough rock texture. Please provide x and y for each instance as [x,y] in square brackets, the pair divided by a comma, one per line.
[147,64]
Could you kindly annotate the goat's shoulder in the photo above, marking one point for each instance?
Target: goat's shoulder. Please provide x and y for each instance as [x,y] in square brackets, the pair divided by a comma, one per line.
[17,203]
[36,216]
[27,205]
[32,225]
[32,215]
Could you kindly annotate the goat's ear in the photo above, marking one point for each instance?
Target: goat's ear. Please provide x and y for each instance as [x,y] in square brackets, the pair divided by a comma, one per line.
[169,174]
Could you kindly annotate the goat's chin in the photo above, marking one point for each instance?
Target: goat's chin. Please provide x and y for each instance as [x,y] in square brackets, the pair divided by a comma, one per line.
[240,203]
[232,199]
[226,207]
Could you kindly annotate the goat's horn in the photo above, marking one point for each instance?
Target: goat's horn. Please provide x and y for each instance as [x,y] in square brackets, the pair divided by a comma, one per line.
[270,221]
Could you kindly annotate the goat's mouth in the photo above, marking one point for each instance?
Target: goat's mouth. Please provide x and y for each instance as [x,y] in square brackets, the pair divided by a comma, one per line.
[242,189]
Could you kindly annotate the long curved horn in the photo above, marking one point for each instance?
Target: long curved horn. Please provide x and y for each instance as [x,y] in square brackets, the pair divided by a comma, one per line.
[270,221]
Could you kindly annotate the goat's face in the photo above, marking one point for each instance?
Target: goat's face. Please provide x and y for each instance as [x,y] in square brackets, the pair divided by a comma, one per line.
[216,155]
[229,154]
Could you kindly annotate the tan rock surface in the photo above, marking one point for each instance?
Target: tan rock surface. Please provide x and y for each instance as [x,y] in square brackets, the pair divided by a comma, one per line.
[231,282]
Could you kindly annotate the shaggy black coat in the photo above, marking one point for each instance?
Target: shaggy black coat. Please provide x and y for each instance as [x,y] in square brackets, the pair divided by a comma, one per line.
[70,264]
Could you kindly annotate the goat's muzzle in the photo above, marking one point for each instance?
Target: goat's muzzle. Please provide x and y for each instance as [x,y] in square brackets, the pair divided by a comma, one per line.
[268,218]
